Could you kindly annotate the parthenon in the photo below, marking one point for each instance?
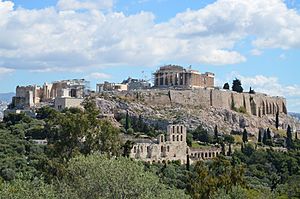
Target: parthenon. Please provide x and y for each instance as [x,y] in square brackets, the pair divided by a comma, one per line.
[177,76]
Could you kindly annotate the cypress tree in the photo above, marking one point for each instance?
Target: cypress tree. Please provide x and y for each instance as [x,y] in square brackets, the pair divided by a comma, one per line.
[277,120]
[259,139]
[216,132]
[245,136]
[127,121]
[289,137]
[264,140]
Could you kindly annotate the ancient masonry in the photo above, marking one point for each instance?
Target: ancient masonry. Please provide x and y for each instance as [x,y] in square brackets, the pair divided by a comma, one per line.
[177,76]
[29,96]
[172,147]
[254,104]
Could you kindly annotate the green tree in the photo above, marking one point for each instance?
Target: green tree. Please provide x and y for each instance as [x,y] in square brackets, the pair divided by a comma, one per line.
[264,139]
[229,139]
[260,134]
[245,136]
[97,176]
[237,86]
[248,149]
[277,120]
[226,86]
[251,91]
[202,135]
[289,141]
[127,121]
[216,133]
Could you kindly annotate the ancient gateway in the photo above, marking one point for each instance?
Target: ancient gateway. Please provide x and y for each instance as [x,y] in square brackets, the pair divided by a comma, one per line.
[172,147]
[177,76]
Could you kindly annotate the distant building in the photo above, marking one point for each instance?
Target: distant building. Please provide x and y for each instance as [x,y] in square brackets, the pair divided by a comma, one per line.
[29,96]
[137,84]
[177,76]
[61,103]
[107,86]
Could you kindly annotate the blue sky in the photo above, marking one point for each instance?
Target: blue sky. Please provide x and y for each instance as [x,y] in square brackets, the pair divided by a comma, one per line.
[256,41]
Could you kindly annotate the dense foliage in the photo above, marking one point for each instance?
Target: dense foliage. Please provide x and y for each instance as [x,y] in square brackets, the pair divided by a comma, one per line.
[85,158]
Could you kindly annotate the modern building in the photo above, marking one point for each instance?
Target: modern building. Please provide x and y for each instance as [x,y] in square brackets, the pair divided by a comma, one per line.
[177,76]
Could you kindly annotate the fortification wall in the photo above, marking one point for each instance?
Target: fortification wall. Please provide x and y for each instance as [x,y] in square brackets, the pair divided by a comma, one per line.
[254,104]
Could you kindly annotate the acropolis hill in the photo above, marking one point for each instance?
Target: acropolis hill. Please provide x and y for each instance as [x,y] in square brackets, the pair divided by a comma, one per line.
[178,95]
[189,97]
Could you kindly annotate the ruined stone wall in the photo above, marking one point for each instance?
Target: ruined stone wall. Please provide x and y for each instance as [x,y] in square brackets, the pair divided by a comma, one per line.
[254,104]
[167,148]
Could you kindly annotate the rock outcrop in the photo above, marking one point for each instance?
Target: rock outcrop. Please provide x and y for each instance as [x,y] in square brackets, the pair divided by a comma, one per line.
[163,107]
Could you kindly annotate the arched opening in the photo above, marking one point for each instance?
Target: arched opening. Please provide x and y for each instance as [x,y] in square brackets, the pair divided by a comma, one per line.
[173,137]
[134,149]
[162,149]
[181,130]
[181,138]
[168,148]
[177,137]
[162,138]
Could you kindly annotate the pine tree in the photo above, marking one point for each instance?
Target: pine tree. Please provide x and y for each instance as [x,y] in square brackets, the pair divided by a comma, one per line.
[237,86]
[277,120]
[245,136]
[226,86]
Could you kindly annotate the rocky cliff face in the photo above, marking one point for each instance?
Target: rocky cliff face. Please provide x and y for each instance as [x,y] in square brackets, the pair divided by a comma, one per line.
[192,115]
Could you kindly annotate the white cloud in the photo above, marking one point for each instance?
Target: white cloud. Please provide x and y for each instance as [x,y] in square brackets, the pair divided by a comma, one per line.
[97,75]
[84,4]
[4,71]
[65,37]
[256,52]
[282,56]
